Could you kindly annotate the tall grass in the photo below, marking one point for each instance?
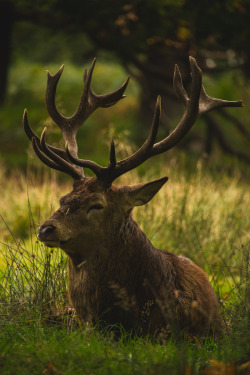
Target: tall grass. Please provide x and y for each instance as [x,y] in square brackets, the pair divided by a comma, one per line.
[200,213]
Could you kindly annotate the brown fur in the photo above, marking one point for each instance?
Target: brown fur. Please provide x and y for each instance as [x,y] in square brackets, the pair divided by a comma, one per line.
[116,276]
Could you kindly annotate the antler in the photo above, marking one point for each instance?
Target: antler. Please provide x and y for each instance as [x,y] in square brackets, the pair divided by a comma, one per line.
[197,104]
[54,157]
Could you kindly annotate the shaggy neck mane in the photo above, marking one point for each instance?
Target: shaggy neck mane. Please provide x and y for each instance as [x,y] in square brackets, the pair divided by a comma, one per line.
[123,264]
[129,241]
[132,239]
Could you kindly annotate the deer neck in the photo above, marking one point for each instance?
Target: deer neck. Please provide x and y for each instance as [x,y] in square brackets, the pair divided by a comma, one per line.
[127,271]
[127,243]
[132,240]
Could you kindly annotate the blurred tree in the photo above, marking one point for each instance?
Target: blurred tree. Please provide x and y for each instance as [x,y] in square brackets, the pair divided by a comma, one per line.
[5,43]
[149,37]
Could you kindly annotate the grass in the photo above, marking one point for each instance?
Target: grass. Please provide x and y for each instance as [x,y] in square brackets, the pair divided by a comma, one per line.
[89,352]
[199,213]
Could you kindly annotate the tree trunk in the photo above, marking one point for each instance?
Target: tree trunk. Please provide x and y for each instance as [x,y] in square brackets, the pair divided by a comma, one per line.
[156,78]
[6,22]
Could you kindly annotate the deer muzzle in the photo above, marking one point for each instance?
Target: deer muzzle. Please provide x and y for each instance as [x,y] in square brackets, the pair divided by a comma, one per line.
[45,232]
[51,236]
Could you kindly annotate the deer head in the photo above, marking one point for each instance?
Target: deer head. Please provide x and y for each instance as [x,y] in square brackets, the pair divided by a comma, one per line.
[89,215]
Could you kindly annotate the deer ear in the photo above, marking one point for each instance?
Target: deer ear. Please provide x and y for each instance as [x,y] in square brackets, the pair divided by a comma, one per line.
[140,194]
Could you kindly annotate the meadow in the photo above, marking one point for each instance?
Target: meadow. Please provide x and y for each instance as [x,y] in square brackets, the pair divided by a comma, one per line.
[202,212]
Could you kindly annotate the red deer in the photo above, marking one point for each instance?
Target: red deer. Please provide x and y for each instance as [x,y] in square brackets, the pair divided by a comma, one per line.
[116,276]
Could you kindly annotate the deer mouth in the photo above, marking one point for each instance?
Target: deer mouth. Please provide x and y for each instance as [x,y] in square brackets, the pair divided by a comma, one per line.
[54,243]
[47,235]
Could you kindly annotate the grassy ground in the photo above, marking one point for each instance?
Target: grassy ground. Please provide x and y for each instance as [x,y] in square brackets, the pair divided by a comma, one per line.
[199,213]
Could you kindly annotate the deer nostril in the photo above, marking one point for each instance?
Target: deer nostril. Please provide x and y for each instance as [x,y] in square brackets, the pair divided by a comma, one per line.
[45,230]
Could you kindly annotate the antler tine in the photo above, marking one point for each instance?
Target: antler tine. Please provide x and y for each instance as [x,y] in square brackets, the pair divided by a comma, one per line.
[31,134]
[98,170]
[208,103]
[55,159]
[112,157]
[85,108]
[107,100]
[144,152]
[191,109]
[42,157]
[52,82]
[178,86]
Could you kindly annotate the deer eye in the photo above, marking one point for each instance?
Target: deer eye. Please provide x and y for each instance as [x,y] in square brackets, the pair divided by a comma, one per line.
[97,206]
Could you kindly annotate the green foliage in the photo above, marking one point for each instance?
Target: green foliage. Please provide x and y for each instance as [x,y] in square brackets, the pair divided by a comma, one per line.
[132,27]
[39,44]
[90,352]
